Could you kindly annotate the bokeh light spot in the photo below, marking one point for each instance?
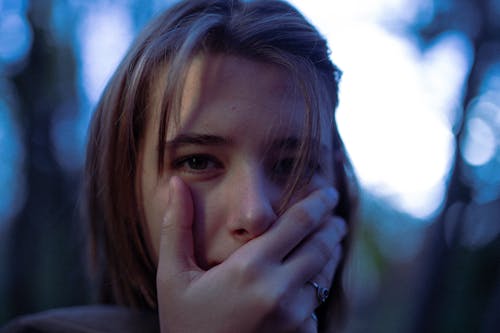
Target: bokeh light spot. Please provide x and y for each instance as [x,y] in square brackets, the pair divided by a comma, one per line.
[15,37]
[105,34]
[479,144]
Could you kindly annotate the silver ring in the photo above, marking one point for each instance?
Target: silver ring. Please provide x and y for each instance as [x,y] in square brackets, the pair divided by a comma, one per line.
[314,317]
[321,293]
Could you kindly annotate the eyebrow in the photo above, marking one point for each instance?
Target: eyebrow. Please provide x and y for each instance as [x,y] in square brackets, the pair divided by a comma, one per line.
[185,139]
[197,139]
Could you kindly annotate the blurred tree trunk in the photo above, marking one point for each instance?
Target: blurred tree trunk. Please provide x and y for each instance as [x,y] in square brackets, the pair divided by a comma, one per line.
[43,248]
[460,287]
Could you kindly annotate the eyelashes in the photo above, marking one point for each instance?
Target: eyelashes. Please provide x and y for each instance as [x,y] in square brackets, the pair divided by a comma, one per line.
[283,168]
[206,164]
[197,163]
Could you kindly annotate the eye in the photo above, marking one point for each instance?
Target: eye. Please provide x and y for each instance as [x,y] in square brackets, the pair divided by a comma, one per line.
[313,167]
[283,167]
[197,163]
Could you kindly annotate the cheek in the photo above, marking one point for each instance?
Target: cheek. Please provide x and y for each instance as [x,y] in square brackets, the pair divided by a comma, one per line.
[212,240]
[210,212]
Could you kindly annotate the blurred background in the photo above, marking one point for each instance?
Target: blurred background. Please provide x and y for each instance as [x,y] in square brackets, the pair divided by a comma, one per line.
[419,113]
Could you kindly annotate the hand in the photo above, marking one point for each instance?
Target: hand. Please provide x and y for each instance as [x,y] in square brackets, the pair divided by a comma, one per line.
[262,286]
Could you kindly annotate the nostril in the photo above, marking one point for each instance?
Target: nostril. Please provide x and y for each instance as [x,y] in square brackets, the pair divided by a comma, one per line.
[242,235]
[240,232]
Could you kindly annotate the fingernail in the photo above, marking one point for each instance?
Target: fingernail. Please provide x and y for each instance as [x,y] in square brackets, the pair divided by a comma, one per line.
[342,227]
[333,195]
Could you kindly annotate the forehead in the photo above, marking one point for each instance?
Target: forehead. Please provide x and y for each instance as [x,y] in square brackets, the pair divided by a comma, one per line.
[227,91]
[231,94]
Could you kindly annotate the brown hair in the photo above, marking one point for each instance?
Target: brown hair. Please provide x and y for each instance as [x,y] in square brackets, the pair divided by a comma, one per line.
[270,31]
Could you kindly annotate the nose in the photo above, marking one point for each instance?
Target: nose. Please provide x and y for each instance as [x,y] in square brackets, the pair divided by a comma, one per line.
[253,202]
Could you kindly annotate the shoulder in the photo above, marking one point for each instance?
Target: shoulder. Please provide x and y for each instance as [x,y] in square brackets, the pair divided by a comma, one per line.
[86,319]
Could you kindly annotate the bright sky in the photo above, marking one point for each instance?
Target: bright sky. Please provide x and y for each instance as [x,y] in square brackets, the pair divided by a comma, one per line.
[397,104]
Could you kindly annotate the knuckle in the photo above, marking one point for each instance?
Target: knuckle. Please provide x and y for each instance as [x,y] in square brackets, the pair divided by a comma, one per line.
[166,228]
[340,226]
[325,200]
[287,316]
[334,260]
[268,300]
[168,223]
[304,217]
[328,198]
[162,282]
[280,308]
[323,249]
[248,270]
[291,319]
[284,310]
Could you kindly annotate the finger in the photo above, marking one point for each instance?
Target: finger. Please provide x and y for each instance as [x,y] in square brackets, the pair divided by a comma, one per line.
[304,305]
[310,325]
[316,253]
[297,223]
[176,253]
[307,299]
[325,278]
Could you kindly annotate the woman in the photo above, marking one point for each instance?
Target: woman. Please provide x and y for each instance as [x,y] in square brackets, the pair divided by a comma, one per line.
[217,187]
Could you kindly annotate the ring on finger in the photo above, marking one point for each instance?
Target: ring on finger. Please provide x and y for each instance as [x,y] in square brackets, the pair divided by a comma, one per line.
[321,292]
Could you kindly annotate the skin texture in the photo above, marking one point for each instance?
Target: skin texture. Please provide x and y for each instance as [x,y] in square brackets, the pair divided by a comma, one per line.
[226,261]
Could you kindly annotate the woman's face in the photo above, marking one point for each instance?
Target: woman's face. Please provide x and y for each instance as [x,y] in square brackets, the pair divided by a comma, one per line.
[238,132]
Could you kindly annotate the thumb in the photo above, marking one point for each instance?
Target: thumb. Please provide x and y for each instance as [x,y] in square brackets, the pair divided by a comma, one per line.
[176,252]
